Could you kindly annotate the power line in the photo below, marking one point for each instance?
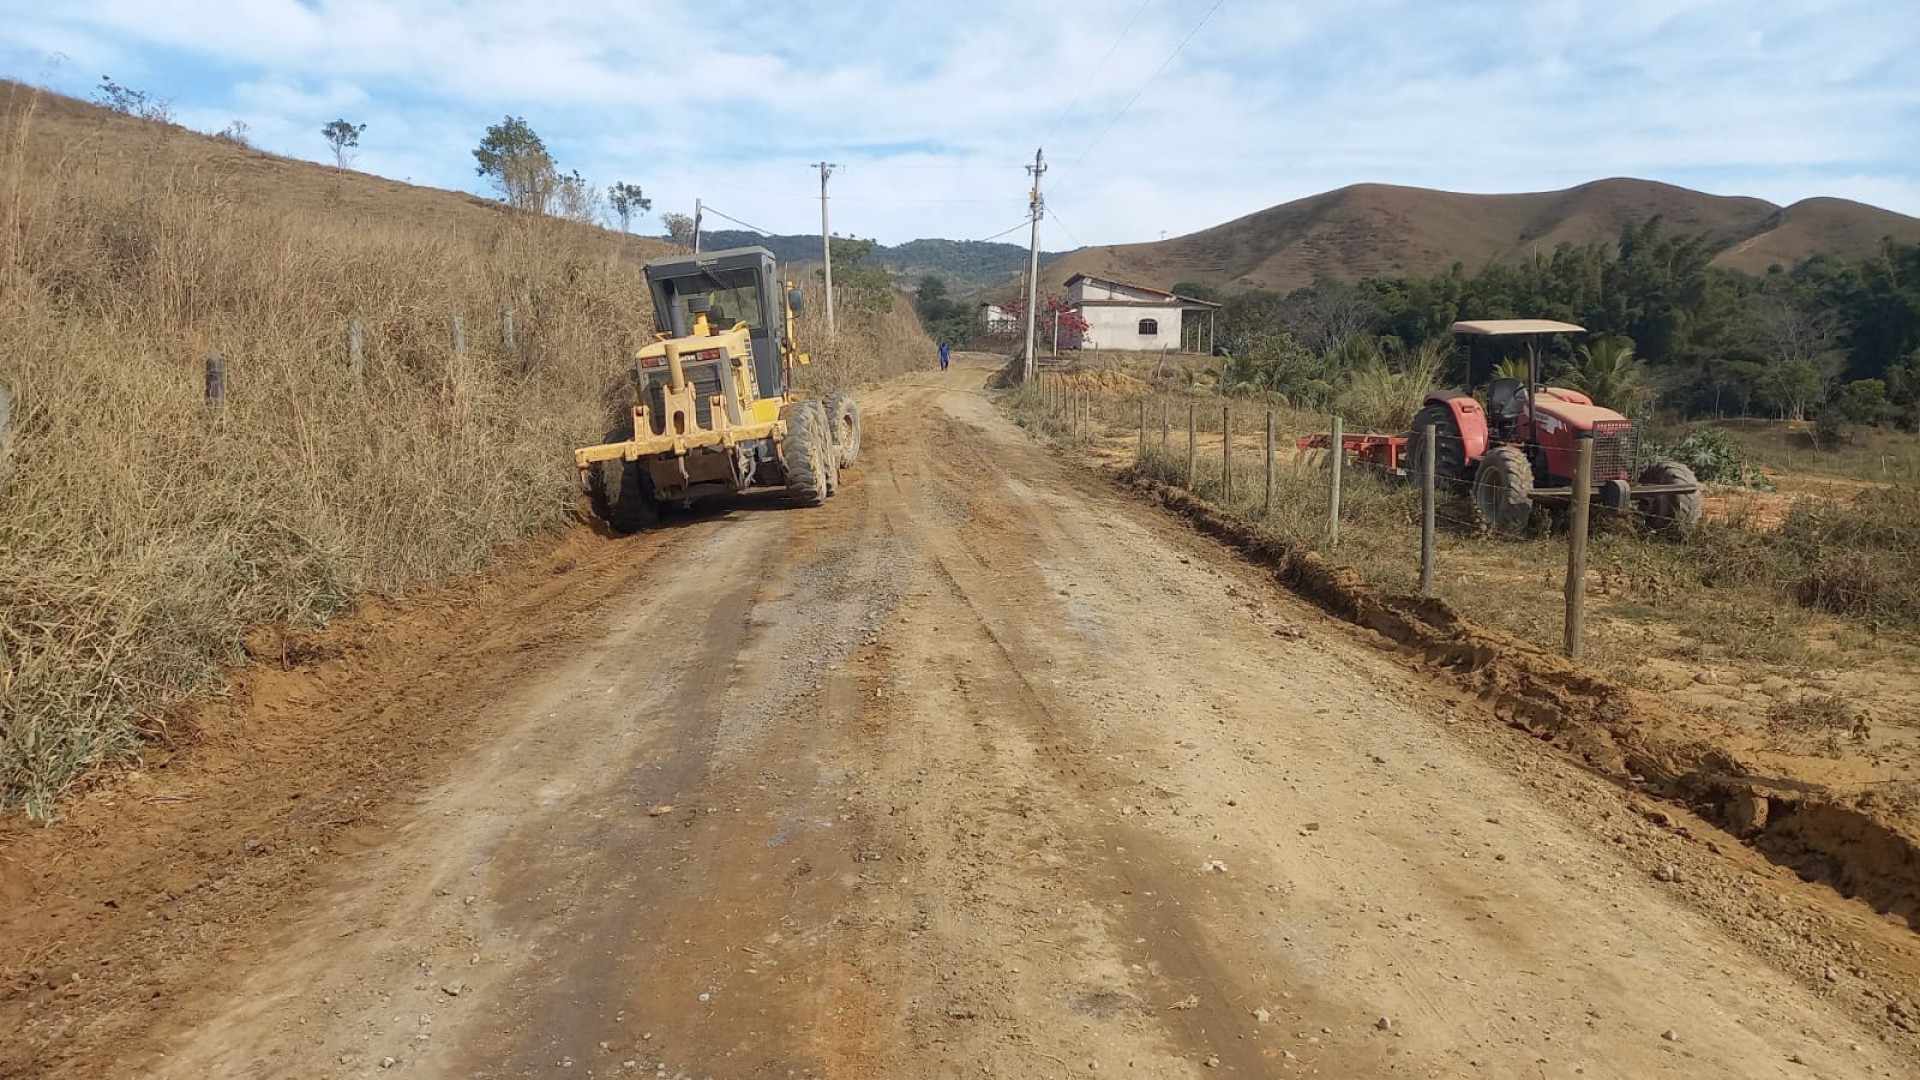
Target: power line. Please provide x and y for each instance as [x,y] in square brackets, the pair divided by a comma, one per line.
[1138,93]
[1063,226]
[1098,68]
[763,232]
[744,189]
[1024,222]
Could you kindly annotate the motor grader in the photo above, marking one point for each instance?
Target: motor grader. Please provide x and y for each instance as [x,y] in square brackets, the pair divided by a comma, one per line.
[713,409]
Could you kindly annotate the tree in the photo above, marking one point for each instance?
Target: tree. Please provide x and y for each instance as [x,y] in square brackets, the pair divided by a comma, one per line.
[627,202]
[1862,402]
[130,102]
[1072,326]
[1194,290]
[343,136]
[1789,386]
[930,292]
[1788,330]
[1326,313]
[575,199]
[513,157]
[236,133]
[679,228]
[1608,372]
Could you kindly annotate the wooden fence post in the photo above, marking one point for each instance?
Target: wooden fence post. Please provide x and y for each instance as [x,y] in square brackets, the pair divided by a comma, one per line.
[1141,453]
[1429,444]
[1193,443]
[216,379]
[1166,424]
[1226,455]
[459,336]
[1334,463]
[6,429]
[1577,546]
[1268,505]
[356,352]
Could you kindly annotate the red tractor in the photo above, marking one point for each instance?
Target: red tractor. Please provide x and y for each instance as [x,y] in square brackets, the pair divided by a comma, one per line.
[1519,449]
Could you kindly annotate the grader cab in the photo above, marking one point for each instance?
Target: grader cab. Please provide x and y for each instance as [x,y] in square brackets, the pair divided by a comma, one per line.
[713,410]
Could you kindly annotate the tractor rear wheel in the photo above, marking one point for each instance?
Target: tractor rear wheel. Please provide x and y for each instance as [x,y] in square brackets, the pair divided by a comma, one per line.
[1450,459]
[806,450]
[1503,490]
[1671,514]
[844,418]
[623,496]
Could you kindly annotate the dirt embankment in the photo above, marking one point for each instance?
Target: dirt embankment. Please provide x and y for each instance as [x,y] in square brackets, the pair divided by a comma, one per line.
[1863,842]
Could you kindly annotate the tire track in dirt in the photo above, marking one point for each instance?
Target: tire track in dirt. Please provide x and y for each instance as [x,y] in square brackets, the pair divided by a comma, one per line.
[979,771]
[152,881]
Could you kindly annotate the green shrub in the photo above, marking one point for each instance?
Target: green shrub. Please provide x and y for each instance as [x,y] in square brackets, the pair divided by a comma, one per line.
[1715,457]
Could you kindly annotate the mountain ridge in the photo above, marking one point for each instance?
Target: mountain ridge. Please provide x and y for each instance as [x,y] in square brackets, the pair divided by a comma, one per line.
[1365,230]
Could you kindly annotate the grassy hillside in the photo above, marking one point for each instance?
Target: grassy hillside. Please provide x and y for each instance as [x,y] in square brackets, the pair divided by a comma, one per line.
[1380,230]
[141,532]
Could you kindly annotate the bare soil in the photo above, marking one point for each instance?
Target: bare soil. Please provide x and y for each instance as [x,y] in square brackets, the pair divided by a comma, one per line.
[986,768]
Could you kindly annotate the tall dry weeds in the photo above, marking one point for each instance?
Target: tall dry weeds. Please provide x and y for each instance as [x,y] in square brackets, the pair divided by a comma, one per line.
[142,534]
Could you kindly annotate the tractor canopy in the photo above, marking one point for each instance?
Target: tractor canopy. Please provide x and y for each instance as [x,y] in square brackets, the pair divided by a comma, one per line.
[1514,327]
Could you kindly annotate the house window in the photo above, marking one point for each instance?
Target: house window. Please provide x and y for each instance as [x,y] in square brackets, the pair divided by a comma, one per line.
[1149,326]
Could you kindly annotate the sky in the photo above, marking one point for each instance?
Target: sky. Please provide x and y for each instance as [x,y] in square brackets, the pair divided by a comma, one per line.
[1157,118]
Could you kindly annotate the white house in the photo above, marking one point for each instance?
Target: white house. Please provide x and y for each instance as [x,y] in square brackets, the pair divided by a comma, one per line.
[1137,318]
[995,319]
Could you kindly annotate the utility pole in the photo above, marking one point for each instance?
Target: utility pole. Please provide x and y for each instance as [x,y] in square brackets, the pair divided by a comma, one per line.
[696,226]
[1038,208]
[826,243]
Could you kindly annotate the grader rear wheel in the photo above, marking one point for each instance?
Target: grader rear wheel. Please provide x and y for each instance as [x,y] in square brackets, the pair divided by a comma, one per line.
[843,417]
[807,452]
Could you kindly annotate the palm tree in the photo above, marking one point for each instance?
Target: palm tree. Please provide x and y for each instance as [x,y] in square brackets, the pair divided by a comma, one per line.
[1608,372]
[1511,368]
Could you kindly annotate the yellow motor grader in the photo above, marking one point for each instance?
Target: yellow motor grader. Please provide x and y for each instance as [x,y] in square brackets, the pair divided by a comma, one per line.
[714,411]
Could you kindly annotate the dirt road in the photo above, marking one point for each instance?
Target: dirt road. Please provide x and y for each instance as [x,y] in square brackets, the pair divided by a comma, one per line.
[983,770]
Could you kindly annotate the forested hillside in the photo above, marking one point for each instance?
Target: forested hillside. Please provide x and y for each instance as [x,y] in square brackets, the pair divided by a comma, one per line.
[1833,337]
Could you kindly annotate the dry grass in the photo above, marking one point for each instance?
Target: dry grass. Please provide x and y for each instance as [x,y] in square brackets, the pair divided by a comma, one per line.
[1836,570]
[870,345]
[141,533]
[1820,721]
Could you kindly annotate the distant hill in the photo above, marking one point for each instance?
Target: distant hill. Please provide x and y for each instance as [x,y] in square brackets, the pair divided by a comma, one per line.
[965,265]
[1377,229]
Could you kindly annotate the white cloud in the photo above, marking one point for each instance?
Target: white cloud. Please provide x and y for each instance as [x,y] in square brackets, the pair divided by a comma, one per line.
[934,108]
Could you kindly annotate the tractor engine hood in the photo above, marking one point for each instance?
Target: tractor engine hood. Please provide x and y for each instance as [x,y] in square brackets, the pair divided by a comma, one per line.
[1555,406]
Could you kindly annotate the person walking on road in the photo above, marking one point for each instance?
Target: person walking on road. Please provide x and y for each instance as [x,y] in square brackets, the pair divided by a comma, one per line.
[945,352]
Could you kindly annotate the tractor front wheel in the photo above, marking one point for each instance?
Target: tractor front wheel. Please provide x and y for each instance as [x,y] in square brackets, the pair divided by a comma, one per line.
[1671,514]
[1503,490]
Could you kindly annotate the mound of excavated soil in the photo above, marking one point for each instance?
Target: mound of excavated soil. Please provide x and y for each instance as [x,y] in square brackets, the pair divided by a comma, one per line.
[1863,840]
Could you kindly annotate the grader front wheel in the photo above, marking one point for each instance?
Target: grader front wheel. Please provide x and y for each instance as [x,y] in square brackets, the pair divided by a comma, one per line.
[623,497]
